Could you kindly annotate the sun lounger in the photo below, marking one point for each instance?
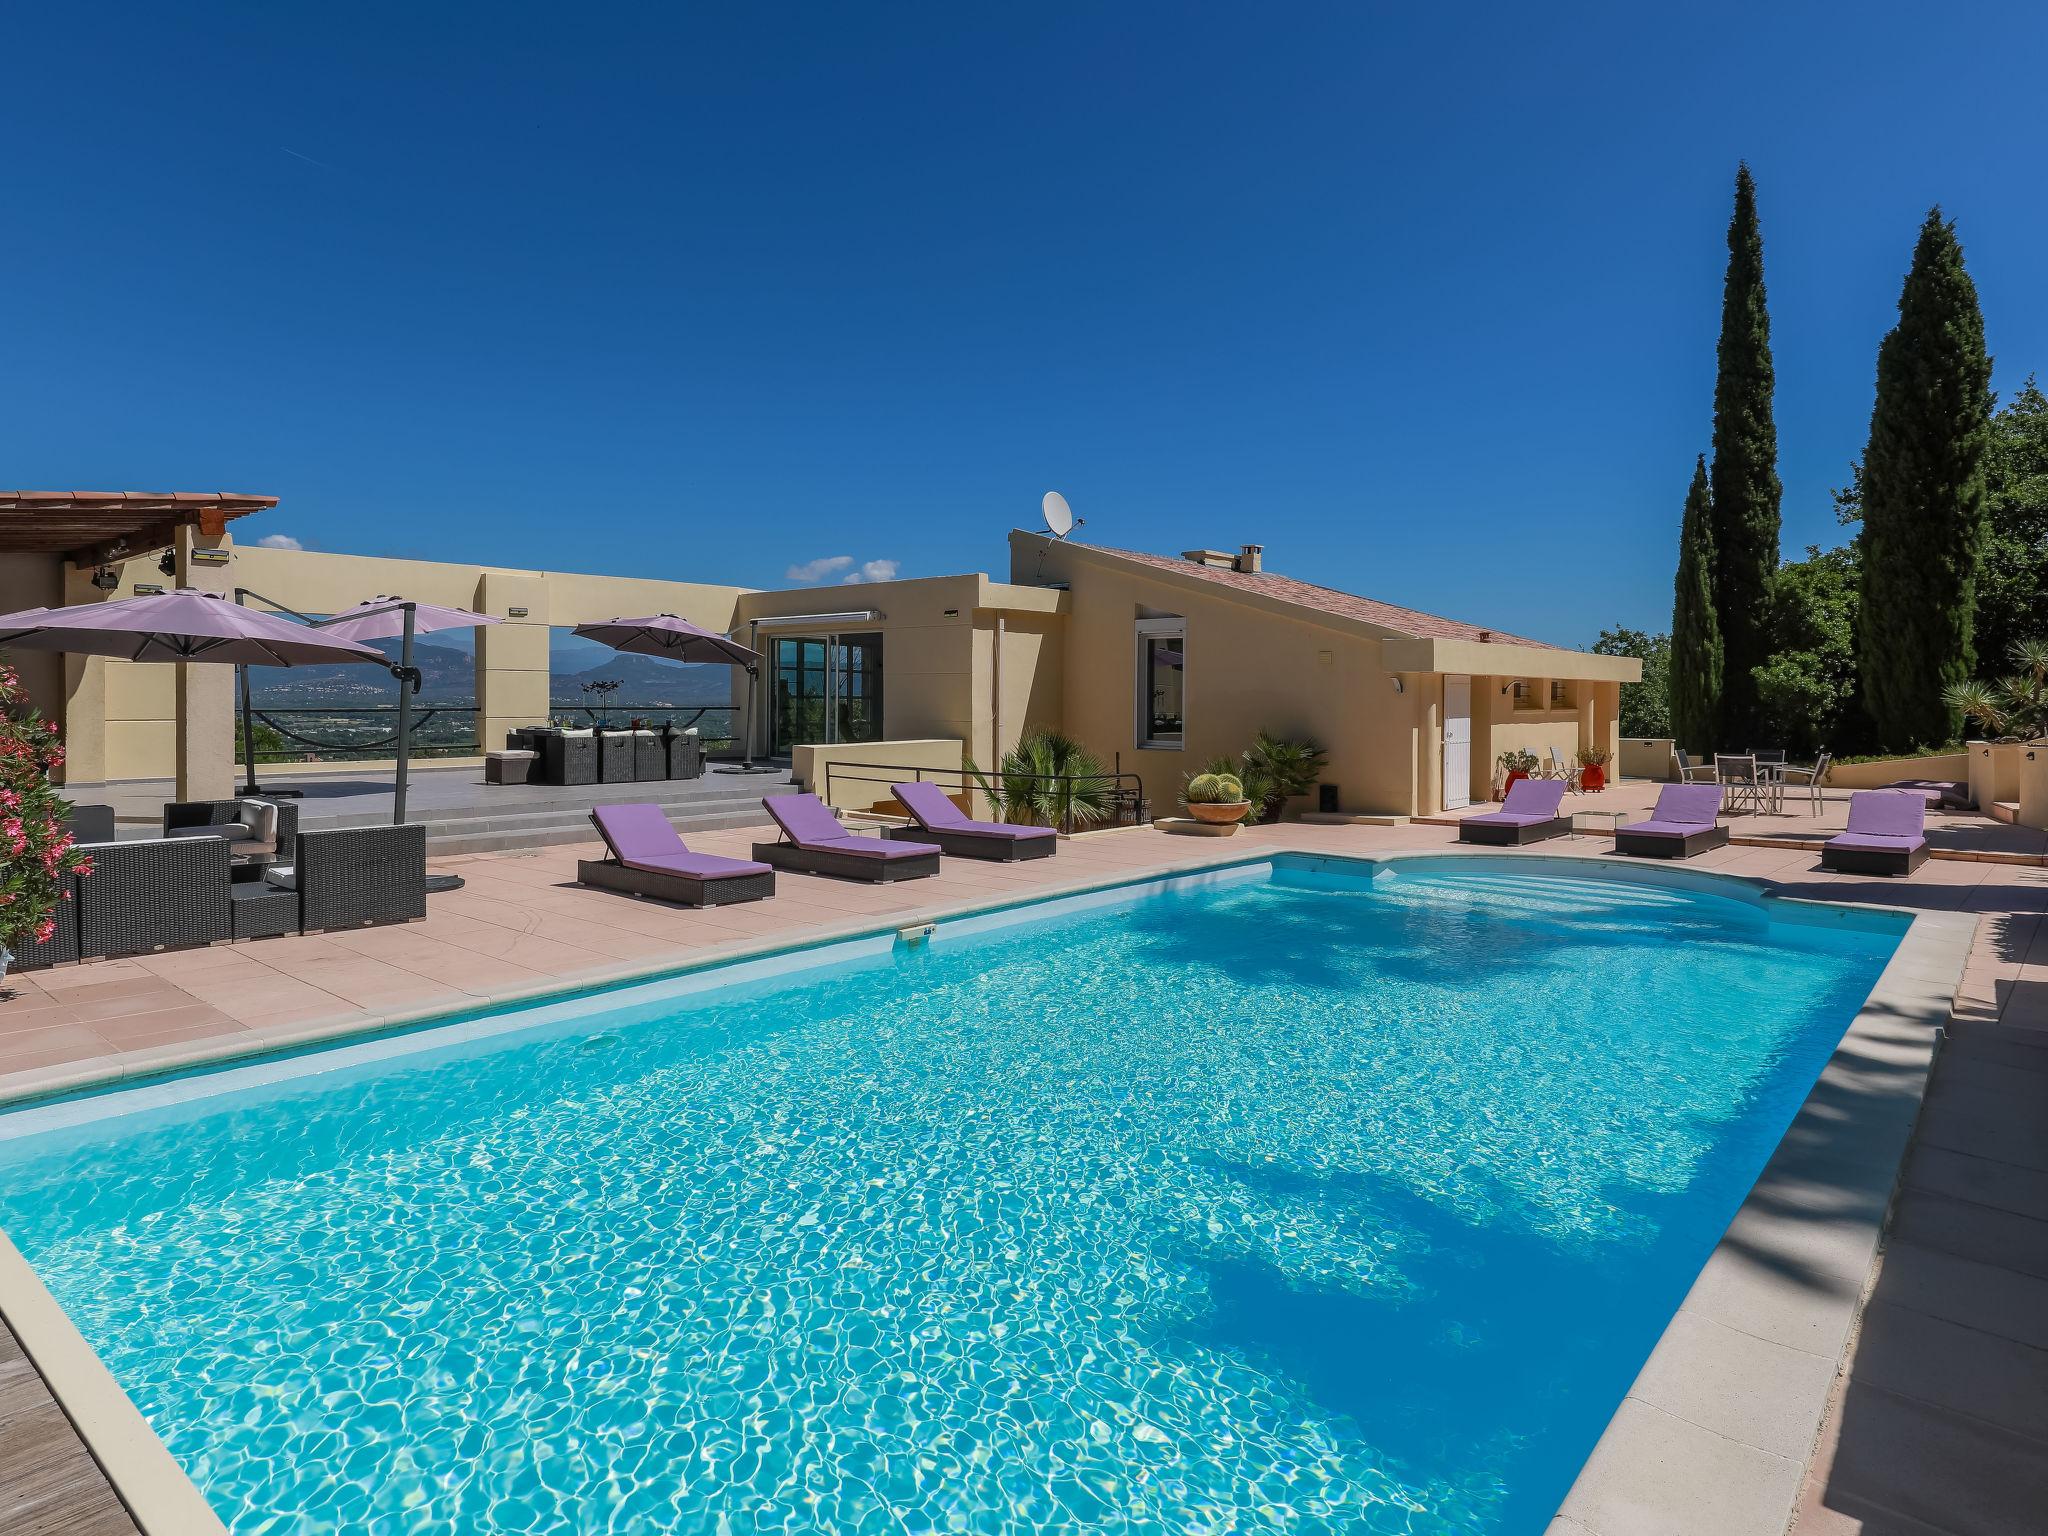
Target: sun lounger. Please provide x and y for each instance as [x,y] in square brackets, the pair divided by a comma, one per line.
[1683,824]
[1528,815]
[1886,835]
[940,821]
[648,859]
[816,844]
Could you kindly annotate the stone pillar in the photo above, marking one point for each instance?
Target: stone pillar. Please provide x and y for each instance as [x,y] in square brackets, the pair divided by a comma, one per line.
[205,690]
[512,657]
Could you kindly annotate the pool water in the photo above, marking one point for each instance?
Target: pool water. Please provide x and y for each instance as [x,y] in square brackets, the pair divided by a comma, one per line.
[1308,1203]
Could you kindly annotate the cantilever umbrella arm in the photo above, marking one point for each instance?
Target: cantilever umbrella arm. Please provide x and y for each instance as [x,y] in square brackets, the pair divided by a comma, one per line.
[405,671]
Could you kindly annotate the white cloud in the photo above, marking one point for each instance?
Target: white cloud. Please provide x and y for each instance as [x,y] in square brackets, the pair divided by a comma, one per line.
[872,570]
[278,541]
[819,569]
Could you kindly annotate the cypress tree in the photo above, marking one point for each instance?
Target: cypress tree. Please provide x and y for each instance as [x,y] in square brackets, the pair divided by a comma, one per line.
[1924,499]
[1745,473]
[1696,660]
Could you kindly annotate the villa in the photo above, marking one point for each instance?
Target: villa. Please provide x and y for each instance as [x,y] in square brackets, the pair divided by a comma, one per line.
[1156,663]
[717,1159]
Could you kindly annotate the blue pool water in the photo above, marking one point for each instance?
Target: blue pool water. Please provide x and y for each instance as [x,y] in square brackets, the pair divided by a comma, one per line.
[1307,1204]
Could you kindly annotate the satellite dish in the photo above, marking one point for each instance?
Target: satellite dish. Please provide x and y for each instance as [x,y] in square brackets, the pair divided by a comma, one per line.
[1059,517]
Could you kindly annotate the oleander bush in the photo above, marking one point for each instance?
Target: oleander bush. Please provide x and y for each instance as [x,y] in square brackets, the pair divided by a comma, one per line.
[36,852]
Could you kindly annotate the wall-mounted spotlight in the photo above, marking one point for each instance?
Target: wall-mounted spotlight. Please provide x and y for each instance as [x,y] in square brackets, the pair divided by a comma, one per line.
[169,563]
[106,578]
[1400,686]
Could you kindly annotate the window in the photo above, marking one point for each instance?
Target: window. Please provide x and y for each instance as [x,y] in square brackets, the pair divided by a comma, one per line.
[1162,682]
[1560,694]
[1525,697]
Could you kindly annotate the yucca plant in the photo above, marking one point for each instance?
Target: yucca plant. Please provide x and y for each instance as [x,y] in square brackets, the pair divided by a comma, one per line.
[1048,780]
[2014,709]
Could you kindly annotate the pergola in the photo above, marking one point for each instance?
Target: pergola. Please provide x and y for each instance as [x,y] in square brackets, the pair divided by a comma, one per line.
[93,527]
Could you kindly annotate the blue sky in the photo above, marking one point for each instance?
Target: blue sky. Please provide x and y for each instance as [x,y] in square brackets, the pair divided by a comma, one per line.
[1422,299]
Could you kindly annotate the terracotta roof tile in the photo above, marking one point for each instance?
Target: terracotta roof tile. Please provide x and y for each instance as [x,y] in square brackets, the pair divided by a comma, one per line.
[1303,594]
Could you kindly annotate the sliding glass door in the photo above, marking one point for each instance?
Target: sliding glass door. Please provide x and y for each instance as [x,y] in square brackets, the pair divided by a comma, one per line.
[825,689]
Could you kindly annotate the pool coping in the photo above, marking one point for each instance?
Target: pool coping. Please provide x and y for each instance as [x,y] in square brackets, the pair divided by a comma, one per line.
[1712,1438]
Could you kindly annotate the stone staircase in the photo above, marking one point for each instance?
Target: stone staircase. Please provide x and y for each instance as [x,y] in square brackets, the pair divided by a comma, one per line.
[695,805]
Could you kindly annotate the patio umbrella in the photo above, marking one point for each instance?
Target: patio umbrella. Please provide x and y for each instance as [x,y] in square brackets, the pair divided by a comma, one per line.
[386,618]
[679,640]
[185,625]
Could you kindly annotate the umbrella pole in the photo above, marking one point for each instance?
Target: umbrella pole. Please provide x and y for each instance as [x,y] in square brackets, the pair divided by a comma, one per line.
[249,786]
[405,687]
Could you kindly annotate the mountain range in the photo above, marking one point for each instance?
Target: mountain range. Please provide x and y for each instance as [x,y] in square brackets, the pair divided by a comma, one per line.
[448,676]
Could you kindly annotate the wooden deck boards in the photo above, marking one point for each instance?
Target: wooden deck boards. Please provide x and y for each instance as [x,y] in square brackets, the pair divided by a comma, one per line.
[49,1483]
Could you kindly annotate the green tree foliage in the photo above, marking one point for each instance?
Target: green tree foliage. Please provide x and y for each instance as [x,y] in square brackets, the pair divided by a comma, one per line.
[1924,500]
[1806,688]
[1696,656]
[2012,585]
[1645,706]
[1745,474]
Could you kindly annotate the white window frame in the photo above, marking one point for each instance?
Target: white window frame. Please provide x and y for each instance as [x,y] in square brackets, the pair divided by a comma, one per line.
[1175,628]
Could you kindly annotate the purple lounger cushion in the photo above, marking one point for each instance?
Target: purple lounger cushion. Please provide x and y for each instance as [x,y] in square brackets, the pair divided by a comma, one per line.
[640,837]
[1681,811]
[935,811]
[1529,802]
[806,821]
[1885,820]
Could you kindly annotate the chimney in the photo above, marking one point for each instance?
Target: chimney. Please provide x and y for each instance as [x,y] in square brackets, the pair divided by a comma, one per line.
[1249,558]
[1215,559]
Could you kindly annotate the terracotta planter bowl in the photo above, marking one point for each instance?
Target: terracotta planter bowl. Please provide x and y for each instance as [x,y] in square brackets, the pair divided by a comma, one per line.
[1221,814]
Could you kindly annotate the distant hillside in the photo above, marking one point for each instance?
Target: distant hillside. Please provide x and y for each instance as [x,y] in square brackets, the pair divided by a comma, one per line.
[647,680]
[448,676]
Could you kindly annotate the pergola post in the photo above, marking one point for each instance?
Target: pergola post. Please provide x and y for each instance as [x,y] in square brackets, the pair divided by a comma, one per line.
[205,693]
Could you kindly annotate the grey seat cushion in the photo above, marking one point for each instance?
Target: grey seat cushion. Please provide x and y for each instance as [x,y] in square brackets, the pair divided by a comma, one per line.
[233,831]
[284,877]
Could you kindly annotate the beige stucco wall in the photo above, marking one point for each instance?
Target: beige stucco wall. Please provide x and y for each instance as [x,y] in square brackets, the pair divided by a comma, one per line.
[35,581]
[1248,669]
[871,766]
[1255,663]
[938,651]
[1951,767]
[121,719]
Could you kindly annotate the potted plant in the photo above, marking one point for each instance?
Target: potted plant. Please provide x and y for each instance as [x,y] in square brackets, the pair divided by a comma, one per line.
[1592,769]
[1216,798]
[36,856]
[1515,766]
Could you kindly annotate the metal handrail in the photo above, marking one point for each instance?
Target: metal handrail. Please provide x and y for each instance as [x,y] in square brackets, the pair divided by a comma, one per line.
[1127,789]
[328,711]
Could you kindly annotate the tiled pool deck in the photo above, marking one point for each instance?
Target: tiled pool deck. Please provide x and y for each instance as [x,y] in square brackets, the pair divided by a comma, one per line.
[1936,1428]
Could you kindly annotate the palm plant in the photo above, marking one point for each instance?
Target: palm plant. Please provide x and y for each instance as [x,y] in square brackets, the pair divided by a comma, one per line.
[1288,768]
[2014,709]
[1048,780]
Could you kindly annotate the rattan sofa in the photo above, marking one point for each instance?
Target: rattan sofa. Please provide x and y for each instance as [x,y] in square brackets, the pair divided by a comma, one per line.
[157,893]
[356,877]
[196,818]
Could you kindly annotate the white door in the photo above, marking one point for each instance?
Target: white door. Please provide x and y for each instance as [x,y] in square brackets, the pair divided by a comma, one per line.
[1457,742]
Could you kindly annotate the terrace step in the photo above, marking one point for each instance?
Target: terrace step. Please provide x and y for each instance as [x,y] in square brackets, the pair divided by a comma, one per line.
[572,827]
[2007,811]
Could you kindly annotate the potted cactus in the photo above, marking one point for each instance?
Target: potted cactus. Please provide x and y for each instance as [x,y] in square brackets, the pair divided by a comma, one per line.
[1216,798]
[1592,769]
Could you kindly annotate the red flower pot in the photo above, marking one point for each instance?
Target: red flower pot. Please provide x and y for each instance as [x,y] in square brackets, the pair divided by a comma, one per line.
[1593,778]
[1515,776]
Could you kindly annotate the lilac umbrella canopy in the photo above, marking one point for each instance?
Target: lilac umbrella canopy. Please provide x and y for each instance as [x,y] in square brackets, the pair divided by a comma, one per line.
[668,636]
[383,618]
[185,625]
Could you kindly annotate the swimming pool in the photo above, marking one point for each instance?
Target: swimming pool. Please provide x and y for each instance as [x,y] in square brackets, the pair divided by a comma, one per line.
[1304,1199]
